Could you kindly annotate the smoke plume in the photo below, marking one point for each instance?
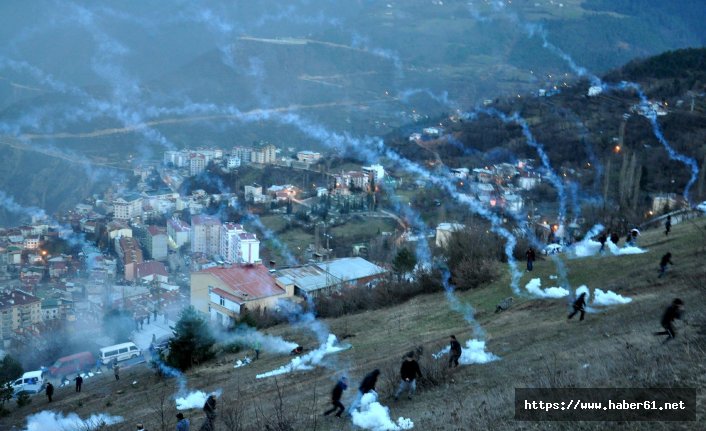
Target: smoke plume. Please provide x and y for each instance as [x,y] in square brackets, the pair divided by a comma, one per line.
[535,289]
[57,421]
[374,416]
[310,360]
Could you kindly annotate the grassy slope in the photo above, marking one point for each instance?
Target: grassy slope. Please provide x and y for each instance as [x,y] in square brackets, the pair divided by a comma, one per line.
[537,345]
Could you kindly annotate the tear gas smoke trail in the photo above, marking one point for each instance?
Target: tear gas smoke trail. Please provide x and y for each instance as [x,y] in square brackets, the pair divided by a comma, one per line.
[575,199]
[310,360]
[466,310]
[596,82]
[372,415]
[459,145]
[9,203]
[422,250]
[255,220]
[298,317]
[651,115]
[126,90]
[532,142]
[168,371]
[587,246]
[373,149]
[56,421]
[290,15]
[442,98]
[361,42]
[521,221]
[65,232]
[247,336]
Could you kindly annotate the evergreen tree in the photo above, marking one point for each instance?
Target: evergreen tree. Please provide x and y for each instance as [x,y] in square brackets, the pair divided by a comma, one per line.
[404,262]
[192,342]
[10,369]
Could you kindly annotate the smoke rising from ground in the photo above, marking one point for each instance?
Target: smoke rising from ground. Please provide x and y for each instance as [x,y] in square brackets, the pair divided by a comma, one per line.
[535,289]
[372,415]
[195,400]
[57,421]
[308,361]
[472,353]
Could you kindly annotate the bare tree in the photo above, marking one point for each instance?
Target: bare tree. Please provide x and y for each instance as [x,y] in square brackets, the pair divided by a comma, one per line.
[162,409]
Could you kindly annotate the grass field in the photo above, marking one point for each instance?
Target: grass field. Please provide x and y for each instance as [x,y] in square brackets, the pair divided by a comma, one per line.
[537,345]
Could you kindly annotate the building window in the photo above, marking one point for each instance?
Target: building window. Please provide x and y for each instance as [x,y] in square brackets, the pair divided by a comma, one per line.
[222,301]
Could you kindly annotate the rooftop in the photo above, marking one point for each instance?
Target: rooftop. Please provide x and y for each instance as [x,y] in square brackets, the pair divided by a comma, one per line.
[247,282]
[152,267]
[308,278]
[199,220]
[351,268]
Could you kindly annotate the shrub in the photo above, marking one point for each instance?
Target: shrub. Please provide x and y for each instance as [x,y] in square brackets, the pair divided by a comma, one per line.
[23,399]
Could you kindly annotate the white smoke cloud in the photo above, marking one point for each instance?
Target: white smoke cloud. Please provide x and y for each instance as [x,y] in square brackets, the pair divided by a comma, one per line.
[308,361]
[473,353]
[602,298]
[56,421]
[249,336]
[194,400]
[629,250]
[374,416]
[609,298]
[534,288]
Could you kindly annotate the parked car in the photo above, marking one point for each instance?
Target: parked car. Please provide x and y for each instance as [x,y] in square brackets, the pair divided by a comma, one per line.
[31,382]
[72,364]
[701,206]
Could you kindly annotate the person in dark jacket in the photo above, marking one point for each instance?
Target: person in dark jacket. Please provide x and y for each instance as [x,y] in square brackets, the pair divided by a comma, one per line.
[209,408]
[336,394]
[668,226]
[672,313]
[182,423]
[367,385]
[454,351]
[50,391]
[666,260]
[530,258]
[116,371]
[579,306]
[409,371]
[602,239]
[79,382]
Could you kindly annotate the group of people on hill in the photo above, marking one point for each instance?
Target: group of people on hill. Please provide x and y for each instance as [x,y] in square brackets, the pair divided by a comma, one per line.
[410,372]
[672,313]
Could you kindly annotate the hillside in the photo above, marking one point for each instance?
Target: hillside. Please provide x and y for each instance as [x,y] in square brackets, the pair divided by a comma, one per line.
[537,346]
[591,139]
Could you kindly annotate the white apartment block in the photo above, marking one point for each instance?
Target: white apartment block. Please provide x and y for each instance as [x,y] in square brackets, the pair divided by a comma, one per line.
[127,208]
[248,248]
[197,164]
[205,234]
[229,239]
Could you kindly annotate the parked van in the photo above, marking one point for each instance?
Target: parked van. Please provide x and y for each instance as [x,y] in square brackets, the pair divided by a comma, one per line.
[30,382]
[72,364]
[119,352]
